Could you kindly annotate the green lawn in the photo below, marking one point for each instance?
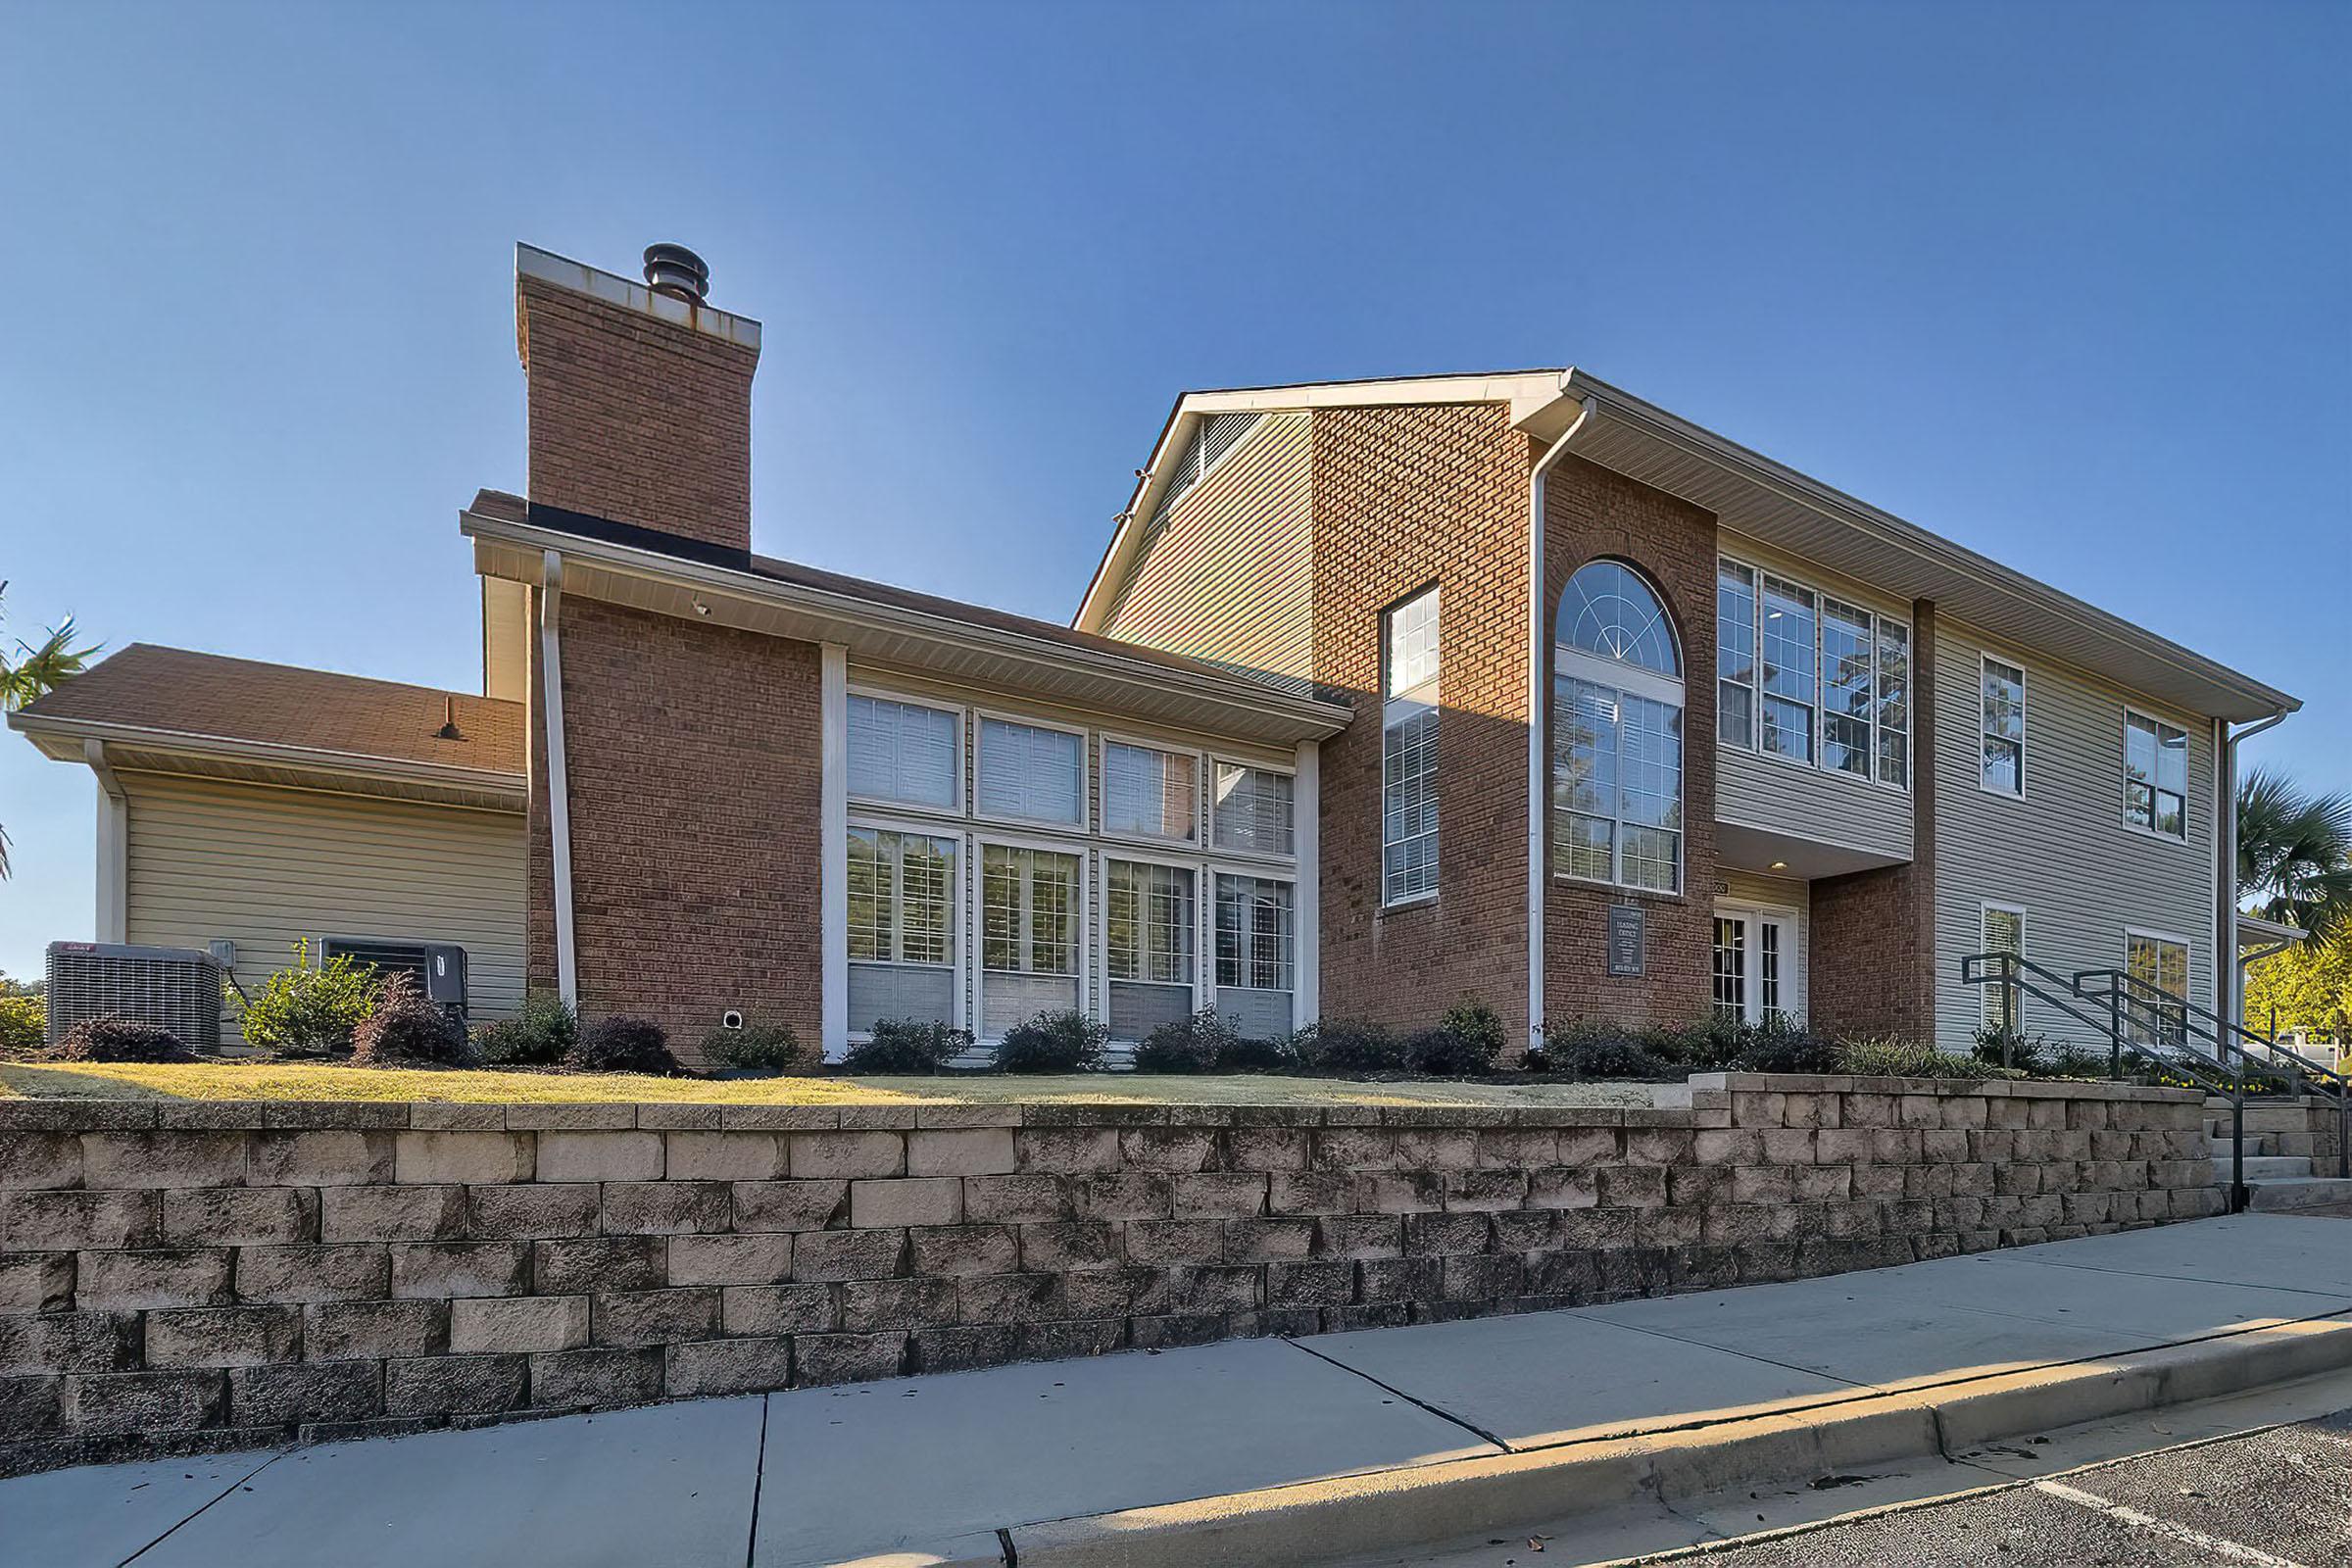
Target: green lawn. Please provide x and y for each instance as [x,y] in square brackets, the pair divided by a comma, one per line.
[314,1081]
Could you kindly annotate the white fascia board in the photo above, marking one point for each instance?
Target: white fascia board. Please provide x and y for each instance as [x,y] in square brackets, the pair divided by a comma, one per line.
[72,732]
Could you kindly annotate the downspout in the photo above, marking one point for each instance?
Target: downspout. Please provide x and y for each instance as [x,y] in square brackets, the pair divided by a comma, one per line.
[1539,630]
[558,796]
[2231,976]
[114,846]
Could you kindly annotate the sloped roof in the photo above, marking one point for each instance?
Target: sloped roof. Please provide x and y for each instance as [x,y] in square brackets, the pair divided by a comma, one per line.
[175,694]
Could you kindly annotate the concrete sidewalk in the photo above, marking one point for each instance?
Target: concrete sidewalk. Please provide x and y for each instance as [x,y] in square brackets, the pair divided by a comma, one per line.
[931,1468]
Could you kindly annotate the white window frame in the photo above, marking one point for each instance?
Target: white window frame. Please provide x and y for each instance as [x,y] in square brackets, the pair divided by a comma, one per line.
[958,949]
[964,732]
[1754,745]
[2188,963]
[1208,957]
[1755,660]
[1199,980]
[1791,919]
[1084,826]
[1988,992]
[1203,781]
[2124,771]
[1089,943]
[1434,685]
[1626,680]
[1985,659]
[1218,759]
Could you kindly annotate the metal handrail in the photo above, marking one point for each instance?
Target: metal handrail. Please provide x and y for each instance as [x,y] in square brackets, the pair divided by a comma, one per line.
[2227,1035]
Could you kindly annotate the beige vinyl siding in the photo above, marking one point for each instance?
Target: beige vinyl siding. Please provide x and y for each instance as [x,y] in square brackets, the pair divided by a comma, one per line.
[1782,893]
[264,867]
[2063,851]
[1228,576]
[1802,800]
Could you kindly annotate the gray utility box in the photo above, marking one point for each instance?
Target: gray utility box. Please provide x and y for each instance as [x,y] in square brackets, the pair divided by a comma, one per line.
[171,988]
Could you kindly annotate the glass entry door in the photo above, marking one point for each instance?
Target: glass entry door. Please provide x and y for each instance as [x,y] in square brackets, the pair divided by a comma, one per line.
[1755,964]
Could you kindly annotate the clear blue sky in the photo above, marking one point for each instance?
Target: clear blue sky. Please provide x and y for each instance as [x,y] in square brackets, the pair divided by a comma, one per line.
[2068,283]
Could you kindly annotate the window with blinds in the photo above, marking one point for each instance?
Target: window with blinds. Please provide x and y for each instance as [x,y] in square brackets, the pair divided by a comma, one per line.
[902,900]
[1031,774]
[1408,752]
[1029,933]
[904,753]
[1148,925]
[1250,813]
[1149,793]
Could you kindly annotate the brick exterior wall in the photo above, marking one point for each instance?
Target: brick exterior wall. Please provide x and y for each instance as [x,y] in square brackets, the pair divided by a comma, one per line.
[1592,513]
[693,757]
[1402,498]
[636,418]
[1873,935]
[184,1276]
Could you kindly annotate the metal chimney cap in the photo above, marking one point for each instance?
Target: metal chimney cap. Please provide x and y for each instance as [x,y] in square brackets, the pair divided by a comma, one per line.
[676,270]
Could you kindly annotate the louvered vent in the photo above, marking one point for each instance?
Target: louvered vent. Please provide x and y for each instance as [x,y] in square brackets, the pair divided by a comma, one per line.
[171,988]
[1211,439]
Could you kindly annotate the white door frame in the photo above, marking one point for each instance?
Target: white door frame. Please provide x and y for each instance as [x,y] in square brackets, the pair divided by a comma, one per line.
[1790,920]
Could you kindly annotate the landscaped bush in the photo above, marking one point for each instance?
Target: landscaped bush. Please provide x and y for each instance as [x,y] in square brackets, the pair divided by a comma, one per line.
[23,1023]
[1784,1046]
[1059,1040]
[2029,1053]
[1893,1058]
[539,1034]
[408,1029]
[1714,1044]
[311,1009]
[907,1046]
[1598,1054]
[2071,1060]
[623,1044]
[1349,1044]
[757,1047]
[1465,1044]
[1241,1053]
[117,1039]
[1197,1043]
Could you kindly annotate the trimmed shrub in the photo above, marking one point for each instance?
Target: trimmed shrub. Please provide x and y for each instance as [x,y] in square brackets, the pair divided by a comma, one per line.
[111,1038]
[539,1034]
[1197,1043]
[23,1023]
[1465,1043]
[1893,1058]
[1243,1054]
[311,1009]
[2069,1060]
[1059,1040]
[907,1046]
[1781,1045]
[757,1047]
[2028,1053]
[406,1029]
[623,1044]
[1714,1044]
[1349,1044]
[1596,1054]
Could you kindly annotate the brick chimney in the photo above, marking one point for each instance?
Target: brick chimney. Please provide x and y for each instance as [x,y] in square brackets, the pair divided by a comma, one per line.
[639,395]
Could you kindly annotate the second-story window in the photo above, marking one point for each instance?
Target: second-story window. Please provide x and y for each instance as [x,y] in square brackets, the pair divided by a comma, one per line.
[2155,776]
[1894,702]
[1251,811]
[2004,728]
[1149,793]
[1409,751]
[904,753]
[1617,733]
[1735,655]
[1790,688]
[1032,773]
[1808,678]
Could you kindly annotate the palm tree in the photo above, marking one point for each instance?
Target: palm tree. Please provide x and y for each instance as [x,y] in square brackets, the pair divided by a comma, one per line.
[2294,852]
[36,670]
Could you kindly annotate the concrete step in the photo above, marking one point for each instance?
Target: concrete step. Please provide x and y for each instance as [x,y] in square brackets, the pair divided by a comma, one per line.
[2291,1193]
[2264,1167]
[2256,1144]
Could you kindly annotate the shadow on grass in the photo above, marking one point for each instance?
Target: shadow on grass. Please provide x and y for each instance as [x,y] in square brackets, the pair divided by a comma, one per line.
[64,1083]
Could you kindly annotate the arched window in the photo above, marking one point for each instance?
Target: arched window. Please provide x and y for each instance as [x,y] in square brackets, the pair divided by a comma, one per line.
[1616,732]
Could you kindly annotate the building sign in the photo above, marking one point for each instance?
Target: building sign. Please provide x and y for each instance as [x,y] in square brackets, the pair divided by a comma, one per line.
[1628,939]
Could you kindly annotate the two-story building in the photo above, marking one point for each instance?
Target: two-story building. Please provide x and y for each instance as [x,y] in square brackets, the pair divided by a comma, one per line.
[1383,692]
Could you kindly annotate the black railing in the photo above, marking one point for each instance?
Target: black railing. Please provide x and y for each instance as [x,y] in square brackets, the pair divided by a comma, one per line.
[2150,1030]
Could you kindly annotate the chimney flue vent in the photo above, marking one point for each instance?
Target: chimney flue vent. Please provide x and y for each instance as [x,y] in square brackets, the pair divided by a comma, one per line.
[677,271]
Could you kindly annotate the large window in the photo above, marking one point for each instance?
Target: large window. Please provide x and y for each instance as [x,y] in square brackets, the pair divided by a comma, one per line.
[2155,776]
[1250,813]
[1804,677]
[1256,953]
[902,901]
[1147,926]
[903,752]
[1409,751]
[2004,728]
[1031,774]
[1617,733]
[1149,793]
[2160,961]
[1029,929]
[2005,931]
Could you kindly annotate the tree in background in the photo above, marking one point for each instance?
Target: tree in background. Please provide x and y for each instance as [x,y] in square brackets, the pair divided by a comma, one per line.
[2309,986]
[34,670]
[2294,853]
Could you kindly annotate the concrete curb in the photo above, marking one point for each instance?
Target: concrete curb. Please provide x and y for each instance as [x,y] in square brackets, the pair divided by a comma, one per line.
[1325,1521]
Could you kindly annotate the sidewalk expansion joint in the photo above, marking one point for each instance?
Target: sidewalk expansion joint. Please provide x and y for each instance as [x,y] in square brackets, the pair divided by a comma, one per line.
[1441,1414]
[191,1518]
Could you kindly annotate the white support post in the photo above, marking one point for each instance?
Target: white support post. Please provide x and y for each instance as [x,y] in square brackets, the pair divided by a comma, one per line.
[558,796]
[1306,818]
[833,846]
[114,847]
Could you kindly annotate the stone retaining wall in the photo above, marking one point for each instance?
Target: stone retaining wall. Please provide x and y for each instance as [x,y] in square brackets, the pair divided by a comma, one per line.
[196,1274]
